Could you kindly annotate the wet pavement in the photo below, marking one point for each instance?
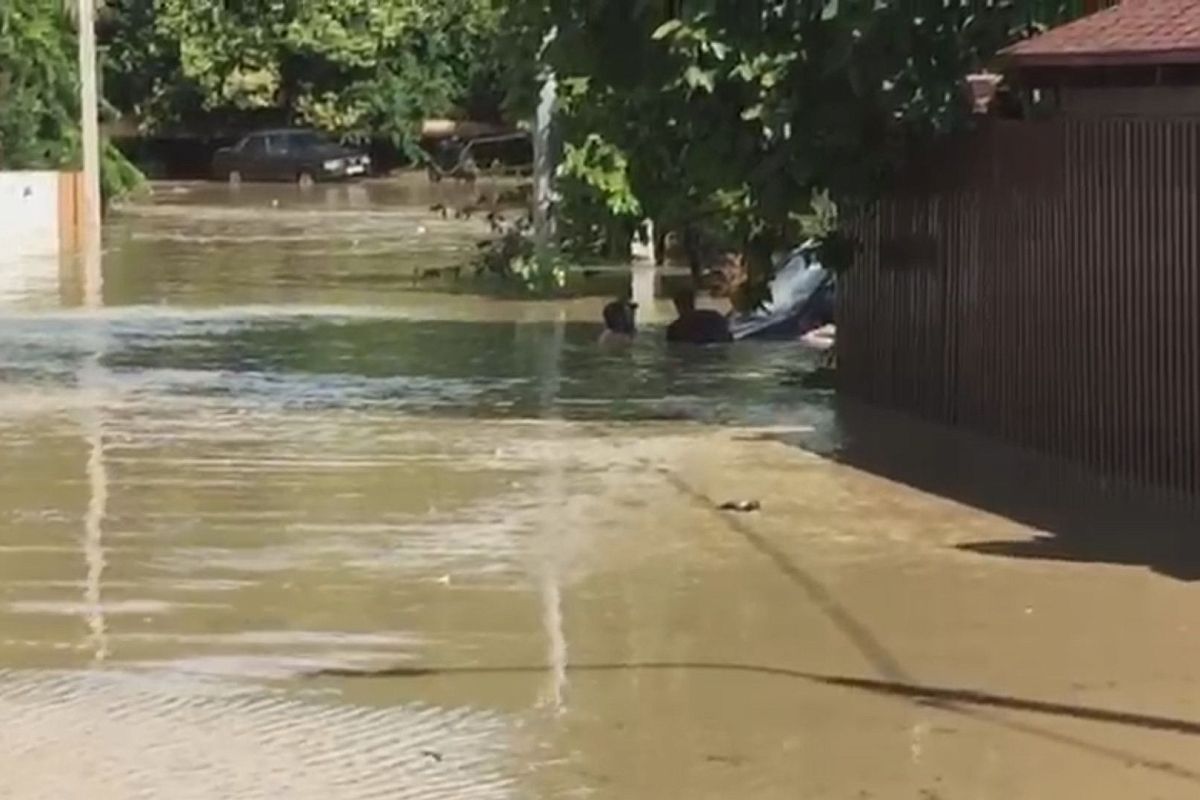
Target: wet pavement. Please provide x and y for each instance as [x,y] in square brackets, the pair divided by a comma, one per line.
[288,515]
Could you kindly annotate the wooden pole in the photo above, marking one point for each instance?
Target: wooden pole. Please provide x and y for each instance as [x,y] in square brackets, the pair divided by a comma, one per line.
[90,219]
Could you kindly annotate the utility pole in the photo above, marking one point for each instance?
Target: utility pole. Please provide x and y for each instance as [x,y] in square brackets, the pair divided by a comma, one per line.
[90,111]
[544,156]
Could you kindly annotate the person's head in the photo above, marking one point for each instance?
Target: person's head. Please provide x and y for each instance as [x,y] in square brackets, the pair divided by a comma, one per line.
[620,317]
[685,302]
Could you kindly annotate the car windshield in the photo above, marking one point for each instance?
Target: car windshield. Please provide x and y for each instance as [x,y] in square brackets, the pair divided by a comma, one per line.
[306,139]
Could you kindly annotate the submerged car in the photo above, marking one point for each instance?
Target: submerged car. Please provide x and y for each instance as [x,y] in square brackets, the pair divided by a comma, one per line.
[803,299]
[289,154]
[459,158]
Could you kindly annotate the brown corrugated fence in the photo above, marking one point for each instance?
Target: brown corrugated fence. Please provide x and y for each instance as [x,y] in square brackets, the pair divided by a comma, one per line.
[1036,281]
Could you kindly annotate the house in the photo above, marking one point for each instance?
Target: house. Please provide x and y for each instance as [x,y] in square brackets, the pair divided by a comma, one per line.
[1038,280]
[1137,58]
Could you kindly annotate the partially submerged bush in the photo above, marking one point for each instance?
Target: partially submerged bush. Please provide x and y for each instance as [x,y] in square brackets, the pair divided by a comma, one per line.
[118,176]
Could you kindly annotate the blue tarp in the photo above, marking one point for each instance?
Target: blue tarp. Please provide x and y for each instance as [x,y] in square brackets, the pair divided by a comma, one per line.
[802,299]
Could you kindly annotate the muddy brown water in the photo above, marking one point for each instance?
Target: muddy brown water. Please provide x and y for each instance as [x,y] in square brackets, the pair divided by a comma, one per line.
[275,448]
[278,521]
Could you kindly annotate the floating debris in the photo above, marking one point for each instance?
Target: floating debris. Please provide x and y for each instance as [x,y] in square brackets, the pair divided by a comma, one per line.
[742,506]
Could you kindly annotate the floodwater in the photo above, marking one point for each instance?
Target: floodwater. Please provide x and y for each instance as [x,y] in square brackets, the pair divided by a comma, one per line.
[283,513]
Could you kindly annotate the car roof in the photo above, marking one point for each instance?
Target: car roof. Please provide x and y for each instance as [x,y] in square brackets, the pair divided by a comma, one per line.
[281,131]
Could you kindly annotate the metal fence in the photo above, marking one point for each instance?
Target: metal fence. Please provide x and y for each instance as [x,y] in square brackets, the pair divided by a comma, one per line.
[1037,282]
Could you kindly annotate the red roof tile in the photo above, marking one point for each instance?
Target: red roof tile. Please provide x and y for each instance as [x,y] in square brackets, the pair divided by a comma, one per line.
[1147,32]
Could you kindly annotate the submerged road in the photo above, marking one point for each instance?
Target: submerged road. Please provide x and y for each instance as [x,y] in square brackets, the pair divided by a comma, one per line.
[282,518]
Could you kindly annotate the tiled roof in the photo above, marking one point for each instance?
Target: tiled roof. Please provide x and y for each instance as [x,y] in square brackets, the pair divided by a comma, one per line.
[1145,32]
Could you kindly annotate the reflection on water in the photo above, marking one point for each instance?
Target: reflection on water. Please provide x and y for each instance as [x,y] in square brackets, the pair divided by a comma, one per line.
[93,524]
[380,360]
[271,461]
[264,294]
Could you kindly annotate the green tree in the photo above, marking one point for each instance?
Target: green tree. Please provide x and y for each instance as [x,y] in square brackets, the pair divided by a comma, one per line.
[731,114]
[357,68]
[39,94]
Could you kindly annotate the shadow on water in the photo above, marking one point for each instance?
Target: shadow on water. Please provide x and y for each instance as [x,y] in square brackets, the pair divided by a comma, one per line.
[882,687]
[962,702]
[1079,516]
[974,704]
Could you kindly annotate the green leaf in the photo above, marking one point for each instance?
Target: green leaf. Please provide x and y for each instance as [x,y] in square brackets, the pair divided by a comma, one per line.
[666,29]
[695,77]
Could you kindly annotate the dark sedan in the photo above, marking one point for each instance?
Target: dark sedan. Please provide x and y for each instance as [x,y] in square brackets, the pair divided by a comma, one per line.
[297,155]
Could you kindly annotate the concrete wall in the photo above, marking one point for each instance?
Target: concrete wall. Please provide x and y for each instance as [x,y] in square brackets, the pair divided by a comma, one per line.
[30,206]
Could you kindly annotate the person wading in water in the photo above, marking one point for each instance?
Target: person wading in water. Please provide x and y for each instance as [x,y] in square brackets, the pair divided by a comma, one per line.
[620,323]
[697,326]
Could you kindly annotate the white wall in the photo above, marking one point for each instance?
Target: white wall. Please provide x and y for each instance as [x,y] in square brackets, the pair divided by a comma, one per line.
[29,213]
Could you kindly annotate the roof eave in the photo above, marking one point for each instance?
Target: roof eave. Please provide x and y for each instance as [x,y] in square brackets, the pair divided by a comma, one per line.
[1113,58]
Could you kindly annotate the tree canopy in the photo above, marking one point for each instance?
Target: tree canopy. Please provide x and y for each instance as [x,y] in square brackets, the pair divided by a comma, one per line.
[39,97]
[723,114]
[734,113]
[39,94]
[356,68]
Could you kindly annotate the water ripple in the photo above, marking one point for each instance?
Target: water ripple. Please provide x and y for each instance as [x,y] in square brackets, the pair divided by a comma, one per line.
[113,735]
